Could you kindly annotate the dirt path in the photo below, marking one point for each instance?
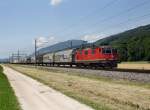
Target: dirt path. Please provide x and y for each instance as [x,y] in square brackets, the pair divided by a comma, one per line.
[33,95]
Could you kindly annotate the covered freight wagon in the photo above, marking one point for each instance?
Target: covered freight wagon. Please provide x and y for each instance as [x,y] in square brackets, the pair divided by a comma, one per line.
[65,56]
[48,58]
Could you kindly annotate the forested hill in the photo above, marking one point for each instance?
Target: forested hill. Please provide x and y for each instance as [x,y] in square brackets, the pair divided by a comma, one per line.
[132,45]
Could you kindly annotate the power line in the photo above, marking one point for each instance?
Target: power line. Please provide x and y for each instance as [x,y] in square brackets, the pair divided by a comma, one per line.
[125,22]
[85,18]
[120,13]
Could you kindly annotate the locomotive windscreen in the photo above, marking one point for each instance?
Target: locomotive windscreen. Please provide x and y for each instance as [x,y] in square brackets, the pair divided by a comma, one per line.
[107,50]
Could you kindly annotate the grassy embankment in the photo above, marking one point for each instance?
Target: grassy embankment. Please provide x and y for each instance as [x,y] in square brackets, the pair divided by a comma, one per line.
[99,93]
[8,100]
[135,65]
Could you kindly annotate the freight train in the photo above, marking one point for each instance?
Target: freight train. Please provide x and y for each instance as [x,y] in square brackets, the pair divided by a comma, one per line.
[103,56]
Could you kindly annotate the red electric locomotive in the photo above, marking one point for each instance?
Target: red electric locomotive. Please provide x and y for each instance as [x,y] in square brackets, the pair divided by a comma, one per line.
[104,56]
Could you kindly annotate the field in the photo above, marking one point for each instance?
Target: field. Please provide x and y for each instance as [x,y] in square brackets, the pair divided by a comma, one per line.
[134,65]
[8,100]
[99,93]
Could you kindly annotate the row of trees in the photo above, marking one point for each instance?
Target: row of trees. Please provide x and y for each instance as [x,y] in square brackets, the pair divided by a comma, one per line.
[132,45]
[137,49]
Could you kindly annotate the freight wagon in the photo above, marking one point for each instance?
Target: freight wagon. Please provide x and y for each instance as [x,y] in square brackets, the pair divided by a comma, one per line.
[104,56]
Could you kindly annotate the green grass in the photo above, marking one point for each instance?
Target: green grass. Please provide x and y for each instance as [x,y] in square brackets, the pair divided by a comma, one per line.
[8,100]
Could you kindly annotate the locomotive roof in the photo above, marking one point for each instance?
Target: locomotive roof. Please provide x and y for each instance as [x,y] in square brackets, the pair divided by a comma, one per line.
[93,47]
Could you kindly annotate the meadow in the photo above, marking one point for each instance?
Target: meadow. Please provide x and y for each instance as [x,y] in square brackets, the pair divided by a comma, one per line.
[99,93]
[134,65]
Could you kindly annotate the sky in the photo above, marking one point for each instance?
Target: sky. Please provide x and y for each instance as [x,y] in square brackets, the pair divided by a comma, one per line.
[52,21]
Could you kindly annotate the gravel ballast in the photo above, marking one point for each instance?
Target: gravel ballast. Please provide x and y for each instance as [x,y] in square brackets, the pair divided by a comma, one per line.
[132,76]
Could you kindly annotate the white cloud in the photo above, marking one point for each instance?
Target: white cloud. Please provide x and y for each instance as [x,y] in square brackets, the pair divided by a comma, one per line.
[55,2]
[45,41]
[41,41]
[91,38]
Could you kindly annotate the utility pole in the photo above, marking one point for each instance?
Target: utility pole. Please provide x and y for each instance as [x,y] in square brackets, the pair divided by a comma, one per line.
[9,58]
[71,44]
[12,58]
[35,51]
[18,56]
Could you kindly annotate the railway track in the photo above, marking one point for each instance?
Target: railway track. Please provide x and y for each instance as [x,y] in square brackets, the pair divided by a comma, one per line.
[132,75]
[104,69]
[130,70]
[92,68]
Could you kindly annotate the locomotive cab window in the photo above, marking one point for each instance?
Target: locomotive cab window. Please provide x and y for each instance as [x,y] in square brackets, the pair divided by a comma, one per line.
[107,51]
